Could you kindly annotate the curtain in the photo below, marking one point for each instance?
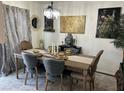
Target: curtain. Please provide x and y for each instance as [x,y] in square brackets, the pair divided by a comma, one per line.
[17,29]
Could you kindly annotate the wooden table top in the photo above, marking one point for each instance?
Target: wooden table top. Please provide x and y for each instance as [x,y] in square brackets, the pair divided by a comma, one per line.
[74,61]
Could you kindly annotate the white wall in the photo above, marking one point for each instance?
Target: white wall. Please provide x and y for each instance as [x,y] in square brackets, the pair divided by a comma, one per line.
[111,57]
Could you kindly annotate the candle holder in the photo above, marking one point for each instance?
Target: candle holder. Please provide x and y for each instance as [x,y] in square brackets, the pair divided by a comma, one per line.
[50,49]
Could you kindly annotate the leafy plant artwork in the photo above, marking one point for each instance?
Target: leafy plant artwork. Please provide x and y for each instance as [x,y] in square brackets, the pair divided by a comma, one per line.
[108,22]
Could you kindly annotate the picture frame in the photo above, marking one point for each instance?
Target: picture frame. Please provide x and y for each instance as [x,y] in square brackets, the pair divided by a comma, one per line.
[35,22]
[72,24]
[107,22]
[48,25]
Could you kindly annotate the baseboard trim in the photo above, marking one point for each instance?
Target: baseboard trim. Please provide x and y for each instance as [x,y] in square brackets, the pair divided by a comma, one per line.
[105,73]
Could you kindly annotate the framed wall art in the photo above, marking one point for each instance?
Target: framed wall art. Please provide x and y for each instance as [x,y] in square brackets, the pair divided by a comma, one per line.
[107,22]
[72,24]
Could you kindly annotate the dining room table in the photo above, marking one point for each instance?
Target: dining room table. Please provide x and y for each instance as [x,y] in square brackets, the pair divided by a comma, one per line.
[78,63]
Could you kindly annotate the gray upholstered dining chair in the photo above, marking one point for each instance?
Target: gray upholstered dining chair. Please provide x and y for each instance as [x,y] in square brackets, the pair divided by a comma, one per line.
[30,62]
[90,77]
[24,45]
[54,70]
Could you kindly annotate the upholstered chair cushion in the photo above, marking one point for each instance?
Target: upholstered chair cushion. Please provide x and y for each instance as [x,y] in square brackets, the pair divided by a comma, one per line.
[53,67]
[30,61]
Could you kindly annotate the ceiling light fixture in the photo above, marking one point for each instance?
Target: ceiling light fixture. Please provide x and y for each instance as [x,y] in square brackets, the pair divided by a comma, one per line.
[50,12]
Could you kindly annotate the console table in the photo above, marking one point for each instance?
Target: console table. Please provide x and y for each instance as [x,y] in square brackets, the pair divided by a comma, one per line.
[74,49]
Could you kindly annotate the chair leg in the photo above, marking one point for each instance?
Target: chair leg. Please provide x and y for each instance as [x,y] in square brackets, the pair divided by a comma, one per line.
[61,82]
[71,83]
[36,78]
[26,76]
[16,60]
[24,69]
[46,84]
[85,84]
[76,81]
[82,84]
[90,85]
[32,75]
[93,84]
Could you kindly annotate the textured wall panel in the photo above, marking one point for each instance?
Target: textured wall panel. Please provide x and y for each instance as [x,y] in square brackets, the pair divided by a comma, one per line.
[72,24]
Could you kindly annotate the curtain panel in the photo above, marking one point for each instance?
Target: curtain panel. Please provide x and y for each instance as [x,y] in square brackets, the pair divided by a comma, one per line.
[2,24]
[17,24]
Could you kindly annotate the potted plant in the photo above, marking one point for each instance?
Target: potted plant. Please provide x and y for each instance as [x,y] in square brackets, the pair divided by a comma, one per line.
[119,43]
[119,40]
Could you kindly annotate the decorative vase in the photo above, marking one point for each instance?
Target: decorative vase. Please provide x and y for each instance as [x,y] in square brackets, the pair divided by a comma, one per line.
[41,44]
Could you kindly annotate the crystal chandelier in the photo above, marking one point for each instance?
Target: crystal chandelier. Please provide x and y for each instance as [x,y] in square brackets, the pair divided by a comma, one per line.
[51,13]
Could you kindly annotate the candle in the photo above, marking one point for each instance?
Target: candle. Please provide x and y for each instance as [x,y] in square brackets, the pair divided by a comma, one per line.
[52,48]
[76,39]
[57,48]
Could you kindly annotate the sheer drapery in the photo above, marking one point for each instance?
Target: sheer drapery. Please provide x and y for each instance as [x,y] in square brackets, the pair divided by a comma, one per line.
[17,29]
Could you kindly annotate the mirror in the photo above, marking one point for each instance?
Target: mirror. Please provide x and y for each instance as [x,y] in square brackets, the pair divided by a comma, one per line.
[35,22]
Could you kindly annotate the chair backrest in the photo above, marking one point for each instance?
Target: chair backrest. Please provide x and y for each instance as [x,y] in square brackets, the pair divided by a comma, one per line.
[29,60]
[95,62]
[24,45]
[53,66]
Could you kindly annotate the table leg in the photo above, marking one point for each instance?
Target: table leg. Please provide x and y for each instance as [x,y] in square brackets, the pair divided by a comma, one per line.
[16,61]
[85,81]
[24,69]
